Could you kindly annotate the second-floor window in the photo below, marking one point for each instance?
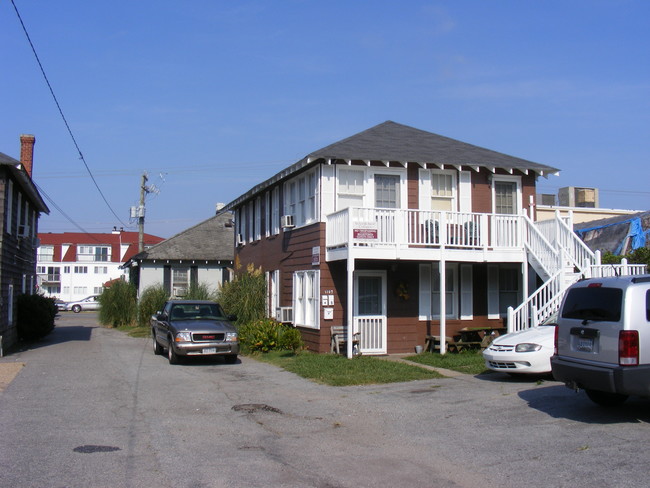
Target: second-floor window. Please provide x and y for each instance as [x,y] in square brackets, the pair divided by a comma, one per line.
[93,253]
[300,199]
[443,186]
[81,269]
[350,188]
[387,191]
[46,253]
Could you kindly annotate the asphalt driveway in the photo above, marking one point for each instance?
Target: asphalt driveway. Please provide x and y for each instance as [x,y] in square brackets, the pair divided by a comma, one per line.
[93,407]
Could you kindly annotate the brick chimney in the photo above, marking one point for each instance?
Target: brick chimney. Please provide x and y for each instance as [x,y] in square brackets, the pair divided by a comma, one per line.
[27,152]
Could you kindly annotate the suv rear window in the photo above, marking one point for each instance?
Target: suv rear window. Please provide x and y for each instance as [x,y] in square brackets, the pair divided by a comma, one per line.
[593,303]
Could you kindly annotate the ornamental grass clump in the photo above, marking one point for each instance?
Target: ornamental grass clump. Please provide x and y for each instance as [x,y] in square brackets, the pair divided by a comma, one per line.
[118,305]
[151,301]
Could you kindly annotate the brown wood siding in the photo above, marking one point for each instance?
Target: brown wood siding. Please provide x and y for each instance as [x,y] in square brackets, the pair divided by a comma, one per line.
[17,258]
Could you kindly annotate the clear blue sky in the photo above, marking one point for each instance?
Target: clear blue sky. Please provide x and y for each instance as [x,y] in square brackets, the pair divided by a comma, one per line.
[220,95]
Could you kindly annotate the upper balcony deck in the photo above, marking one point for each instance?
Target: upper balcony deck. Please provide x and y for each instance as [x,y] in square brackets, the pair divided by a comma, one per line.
[380,233]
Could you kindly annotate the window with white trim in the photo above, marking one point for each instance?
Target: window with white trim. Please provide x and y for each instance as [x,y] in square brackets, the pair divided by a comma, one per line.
[101,269]
[94,253]
[443,190]
[275,211]
[300,199]
[273,281]
[306,289]
[506,194]
[45,253]
[81,269]
[258,218]
[430,291]
[350,190]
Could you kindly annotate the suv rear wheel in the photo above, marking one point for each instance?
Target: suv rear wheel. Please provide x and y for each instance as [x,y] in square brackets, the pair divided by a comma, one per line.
[606,399]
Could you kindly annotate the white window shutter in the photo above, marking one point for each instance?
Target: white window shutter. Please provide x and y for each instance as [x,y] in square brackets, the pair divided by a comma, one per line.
[424,202]
[425,292]
[465,191]
[466,294]
[493,291]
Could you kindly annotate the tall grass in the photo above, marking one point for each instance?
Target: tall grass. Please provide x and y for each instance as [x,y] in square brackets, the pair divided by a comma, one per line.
[151,300]
[245,296]
[118,304]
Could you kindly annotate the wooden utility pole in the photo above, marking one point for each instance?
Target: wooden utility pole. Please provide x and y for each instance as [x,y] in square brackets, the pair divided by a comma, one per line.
[143,192]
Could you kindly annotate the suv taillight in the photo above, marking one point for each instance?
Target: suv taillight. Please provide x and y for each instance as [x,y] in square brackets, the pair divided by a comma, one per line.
[628,348]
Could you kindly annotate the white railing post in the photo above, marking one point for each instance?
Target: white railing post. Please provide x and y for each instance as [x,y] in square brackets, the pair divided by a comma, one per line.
[510,319]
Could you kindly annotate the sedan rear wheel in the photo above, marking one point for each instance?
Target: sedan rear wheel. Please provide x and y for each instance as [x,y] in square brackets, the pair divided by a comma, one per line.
[76,308]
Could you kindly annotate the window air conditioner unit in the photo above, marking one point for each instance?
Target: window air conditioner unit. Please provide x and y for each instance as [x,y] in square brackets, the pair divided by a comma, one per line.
[286,221]
[284,315]
[179,291]
[23,230]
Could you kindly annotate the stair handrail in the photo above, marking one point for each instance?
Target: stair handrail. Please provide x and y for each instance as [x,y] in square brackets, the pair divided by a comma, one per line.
[539,306]
[542,250]
[577,251]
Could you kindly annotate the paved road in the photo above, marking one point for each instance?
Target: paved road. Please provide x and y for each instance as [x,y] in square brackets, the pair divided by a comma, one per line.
[95,408]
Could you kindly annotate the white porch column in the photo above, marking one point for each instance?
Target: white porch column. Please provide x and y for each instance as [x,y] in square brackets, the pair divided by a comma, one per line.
[443,302]
[350,306]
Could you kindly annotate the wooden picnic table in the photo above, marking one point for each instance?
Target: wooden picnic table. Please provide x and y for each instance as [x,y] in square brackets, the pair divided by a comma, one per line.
[466,338]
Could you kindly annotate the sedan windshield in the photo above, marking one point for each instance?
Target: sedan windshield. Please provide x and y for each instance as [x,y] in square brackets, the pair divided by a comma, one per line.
[190,311]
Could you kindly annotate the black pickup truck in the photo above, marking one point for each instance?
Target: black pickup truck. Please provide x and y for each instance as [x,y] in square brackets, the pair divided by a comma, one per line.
[193,328]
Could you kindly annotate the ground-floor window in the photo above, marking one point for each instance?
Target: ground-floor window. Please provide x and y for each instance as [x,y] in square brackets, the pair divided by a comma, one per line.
[504,288]
[430,291]
[180,281]
[306,289]
[273,282]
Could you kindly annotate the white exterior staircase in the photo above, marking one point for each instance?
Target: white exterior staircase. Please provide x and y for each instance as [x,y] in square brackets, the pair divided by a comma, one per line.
[560,258]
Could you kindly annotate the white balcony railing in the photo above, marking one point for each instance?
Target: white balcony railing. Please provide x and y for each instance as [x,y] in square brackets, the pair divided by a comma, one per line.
[381,228]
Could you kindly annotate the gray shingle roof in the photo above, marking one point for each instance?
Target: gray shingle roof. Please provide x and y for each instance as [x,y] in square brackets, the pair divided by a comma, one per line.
[396,142]
[210,240]
[390,141]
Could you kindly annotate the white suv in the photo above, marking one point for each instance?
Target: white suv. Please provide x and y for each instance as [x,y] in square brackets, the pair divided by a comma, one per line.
[602,340]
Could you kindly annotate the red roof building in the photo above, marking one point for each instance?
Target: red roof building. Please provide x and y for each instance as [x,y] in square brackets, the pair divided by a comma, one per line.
[74,265]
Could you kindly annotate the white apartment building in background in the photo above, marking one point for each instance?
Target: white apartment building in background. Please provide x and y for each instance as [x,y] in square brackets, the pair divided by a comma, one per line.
[73,265]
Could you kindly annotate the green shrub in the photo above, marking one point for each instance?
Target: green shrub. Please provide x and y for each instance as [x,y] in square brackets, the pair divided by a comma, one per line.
[245,296]
[268,335]
[118,305]
[35,316]
[200,291]
[290,339]
[151,300]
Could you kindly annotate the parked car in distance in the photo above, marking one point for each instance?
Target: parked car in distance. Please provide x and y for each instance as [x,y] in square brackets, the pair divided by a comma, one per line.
[526,351]
[603,338]
[193,328]
[60,304]
[88,303]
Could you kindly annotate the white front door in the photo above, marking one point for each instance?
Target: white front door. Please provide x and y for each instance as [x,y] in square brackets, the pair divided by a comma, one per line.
[370,310]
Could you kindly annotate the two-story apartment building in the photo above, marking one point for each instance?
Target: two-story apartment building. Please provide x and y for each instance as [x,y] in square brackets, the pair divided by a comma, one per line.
[400,233]
[20,208]
[74,265]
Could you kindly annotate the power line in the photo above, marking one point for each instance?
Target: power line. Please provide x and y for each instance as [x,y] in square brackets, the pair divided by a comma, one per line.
[53,203]
[65,121]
